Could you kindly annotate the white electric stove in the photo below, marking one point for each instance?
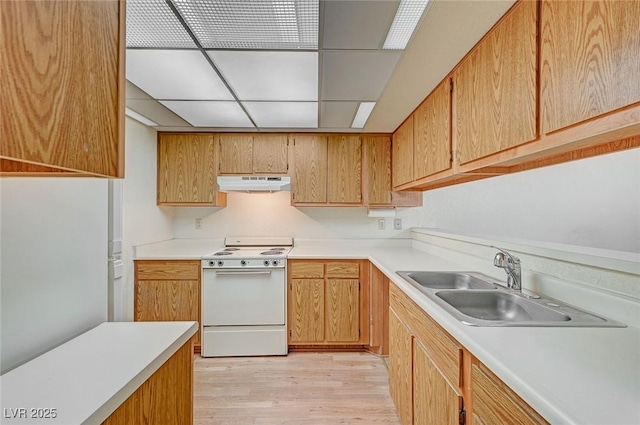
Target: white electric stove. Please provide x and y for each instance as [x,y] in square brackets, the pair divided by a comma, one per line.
[244,298]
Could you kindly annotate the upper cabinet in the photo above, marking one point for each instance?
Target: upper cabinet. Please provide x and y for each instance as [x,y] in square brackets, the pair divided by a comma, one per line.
[589,58]
[309,169]
[495,88]
[249,153]
[186,170]
[432,132]
[402,154]
[344,166]
[62,79]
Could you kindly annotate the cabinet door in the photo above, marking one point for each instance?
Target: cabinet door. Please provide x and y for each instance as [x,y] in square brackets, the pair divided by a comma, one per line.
[342,310]
[62,79]
[306,310]
[400,369]
[377,163]
[310,169]
[402,153]
[590,65]
[432,132]
[344,165]
[186,173]
[434,401]
[236,153]
[495,403]
[270,154]
[168,300]
[495,88]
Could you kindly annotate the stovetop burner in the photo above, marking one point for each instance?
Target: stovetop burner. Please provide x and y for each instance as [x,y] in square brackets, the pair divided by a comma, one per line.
[222,253]
[272,252]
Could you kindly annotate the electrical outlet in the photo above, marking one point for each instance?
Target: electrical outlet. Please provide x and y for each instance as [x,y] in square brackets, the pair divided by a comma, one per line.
[397,224]
[381,224]
[198,223]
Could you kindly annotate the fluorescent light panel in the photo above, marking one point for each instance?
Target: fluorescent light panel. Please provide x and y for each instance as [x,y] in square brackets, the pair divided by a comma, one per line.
[283,114]
[364,110]
[269,75]
[210,113]
[140,118]
[404,23]
[175,75]
[151,23]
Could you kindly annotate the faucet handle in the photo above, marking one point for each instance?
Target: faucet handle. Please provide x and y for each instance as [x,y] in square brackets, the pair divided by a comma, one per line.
[504,261]
[500,260]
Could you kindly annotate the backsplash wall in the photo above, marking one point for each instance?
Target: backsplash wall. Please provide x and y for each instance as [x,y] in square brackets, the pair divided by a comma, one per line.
[271,214]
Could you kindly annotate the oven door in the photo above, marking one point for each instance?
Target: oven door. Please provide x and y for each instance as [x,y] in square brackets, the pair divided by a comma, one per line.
[243,297]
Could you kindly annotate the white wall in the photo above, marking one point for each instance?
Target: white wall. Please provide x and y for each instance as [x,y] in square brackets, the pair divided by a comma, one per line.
[271,214]
[53,259]
[593,202]
[143,221]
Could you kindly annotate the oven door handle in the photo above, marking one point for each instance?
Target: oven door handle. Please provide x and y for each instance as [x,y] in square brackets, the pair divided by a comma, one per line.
[241,272]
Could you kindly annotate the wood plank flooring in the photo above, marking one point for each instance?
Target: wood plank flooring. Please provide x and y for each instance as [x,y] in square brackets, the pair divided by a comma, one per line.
[301,388]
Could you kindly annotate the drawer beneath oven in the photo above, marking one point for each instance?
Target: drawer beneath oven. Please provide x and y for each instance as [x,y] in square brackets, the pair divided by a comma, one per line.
[227,341]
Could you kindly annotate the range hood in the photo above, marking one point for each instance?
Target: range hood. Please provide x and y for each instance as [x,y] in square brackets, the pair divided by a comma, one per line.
[254,183]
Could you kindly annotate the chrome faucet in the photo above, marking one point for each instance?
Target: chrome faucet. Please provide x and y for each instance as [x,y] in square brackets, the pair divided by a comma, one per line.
[511,265]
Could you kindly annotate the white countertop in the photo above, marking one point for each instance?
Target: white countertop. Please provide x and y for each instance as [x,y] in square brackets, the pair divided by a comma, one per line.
[87,378]
[581,376]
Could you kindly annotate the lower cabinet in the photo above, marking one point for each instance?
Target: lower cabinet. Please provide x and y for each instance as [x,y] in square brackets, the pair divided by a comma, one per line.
[434,380]
[167,291]
[326,305]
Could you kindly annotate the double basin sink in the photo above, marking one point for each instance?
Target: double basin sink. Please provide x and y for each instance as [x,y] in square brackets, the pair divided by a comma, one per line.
[477,300]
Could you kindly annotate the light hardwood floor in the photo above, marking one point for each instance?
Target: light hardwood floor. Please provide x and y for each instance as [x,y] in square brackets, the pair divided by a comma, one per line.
[301,388]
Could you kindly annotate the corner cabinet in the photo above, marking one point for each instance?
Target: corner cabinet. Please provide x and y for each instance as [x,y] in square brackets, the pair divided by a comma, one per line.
[62,79]
[328,303]
[186,170]
[167,290]
[435,380]
[402,153]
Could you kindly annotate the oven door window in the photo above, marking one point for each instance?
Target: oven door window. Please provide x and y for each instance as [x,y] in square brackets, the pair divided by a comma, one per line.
[243,297]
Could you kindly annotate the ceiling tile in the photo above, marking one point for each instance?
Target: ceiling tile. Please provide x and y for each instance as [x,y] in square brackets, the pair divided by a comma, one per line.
[283,114]
[156,112]
[133,92]
[356,75]
[151,23]
[175,74]
[357,25]
[209,113]
[337,114]
[257,75]
[253,24]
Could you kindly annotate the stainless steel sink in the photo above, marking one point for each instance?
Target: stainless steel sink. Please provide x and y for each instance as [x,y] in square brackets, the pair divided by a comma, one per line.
[498,305]
[478,300]
[446,280]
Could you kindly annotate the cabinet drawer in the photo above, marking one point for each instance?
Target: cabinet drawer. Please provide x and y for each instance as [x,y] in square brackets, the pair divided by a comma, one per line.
[443,350]
[306,270]
[339,269]
[168,270]
[495,403]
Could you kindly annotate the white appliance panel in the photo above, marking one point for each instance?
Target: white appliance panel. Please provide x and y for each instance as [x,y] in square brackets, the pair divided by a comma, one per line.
[224,341]
[243,297]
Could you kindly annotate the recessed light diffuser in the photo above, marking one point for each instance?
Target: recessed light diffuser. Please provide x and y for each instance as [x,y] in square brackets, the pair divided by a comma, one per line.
[283,114]
[209,114]
[404,23]
[151,23]
[364,110]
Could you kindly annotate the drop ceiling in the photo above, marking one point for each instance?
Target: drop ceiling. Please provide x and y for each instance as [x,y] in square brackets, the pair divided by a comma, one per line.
[259,65]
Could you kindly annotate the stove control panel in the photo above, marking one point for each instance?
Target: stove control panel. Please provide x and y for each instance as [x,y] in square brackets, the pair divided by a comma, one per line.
[249,263]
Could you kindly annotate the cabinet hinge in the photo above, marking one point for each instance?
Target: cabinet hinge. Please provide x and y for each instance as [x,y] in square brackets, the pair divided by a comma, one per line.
[289,333]
[462,417]
[358,286]
[450,86]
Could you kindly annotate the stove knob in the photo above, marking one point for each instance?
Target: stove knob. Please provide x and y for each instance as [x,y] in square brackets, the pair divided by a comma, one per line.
[266,263]
[212,263]
[220,263]
[243,263]
[274,262]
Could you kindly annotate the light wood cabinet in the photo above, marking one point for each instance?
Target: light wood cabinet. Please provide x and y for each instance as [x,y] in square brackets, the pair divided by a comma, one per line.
[186,171]
[326,306]
[495,403]
[167,290]
[432,132]
[310,169]
[344,168]
[252,153]
[402,153]
[400,367]
[62,79]
[495,88]
[589,58]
